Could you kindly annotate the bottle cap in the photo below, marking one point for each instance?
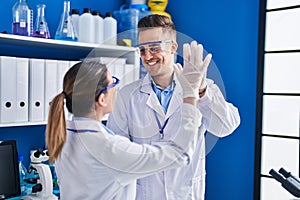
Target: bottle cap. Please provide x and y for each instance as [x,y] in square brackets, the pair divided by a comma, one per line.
[108,14]
[75,11]
[86,10]
[95,12]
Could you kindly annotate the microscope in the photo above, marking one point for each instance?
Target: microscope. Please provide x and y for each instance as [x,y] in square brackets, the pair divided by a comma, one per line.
[44,187]
[287,180]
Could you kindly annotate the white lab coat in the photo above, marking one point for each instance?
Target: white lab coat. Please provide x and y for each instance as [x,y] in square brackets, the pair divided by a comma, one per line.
[96,164]
[134,117]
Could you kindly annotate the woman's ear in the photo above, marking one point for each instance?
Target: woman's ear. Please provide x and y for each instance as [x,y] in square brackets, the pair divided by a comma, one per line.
[174,47]
[101,100]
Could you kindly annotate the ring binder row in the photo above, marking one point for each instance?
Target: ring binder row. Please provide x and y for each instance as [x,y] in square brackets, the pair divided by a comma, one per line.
[28,85]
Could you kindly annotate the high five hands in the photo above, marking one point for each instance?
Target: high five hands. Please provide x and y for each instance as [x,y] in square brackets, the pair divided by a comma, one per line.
[194,66]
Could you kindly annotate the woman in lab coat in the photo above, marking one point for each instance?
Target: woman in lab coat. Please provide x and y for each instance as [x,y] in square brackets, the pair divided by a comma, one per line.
[91,161]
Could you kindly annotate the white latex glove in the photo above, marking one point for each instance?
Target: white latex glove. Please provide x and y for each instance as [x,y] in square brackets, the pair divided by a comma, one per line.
[194,67]
[188,90]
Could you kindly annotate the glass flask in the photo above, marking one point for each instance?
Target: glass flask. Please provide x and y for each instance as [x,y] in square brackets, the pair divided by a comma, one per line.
[22,18]
[41,27]
[65,30]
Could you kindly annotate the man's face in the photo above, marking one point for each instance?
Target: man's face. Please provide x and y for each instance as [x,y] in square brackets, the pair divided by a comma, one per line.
[157,51]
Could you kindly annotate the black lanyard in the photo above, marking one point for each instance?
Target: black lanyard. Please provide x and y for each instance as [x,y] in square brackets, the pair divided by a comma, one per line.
[161,128]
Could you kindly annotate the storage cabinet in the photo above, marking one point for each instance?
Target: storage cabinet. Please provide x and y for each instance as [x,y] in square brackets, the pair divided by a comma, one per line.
[29,47]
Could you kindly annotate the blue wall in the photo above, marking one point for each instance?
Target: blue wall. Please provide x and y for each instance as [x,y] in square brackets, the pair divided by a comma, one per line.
[229,30]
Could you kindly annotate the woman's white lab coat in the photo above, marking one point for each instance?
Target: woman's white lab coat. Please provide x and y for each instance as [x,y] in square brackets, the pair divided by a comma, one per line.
[96,164]
[134,116]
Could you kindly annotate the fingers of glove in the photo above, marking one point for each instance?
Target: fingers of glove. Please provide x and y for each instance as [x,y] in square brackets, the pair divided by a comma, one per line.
[186,54]
[199,55]
[194,52]
[206,62]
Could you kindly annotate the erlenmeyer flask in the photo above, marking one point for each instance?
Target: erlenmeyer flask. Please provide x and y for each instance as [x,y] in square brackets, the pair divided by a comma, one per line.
[65,30]
[41,27]
[22,18]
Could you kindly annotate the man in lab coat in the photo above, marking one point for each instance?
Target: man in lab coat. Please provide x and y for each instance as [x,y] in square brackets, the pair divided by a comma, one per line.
[149,110]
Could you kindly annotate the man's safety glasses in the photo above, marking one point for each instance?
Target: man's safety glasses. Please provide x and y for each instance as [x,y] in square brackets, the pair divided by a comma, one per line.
[116,82]
[153,47]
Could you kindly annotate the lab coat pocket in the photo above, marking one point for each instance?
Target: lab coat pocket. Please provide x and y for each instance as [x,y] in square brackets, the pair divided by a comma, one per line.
[198,187]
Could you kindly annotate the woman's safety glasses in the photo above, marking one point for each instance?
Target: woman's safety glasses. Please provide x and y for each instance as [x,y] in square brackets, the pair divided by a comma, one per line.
[116,82]
[153,47]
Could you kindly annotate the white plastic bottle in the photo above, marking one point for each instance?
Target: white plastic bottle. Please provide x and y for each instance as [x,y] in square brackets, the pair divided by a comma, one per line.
[86,31]
[99,24]
[75,20]
[110,29]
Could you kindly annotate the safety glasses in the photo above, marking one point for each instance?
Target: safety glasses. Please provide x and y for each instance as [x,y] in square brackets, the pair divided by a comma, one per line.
[153,47]
[116,82]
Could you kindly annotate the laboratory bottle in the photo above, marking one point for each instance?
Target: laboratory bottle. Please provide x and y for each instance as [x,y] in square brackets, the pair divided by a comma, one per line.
[110,29]
[54,178]
[142,8]
[22,174]
[75,20]
[98,27]
[22,18]
[65,29]
[86,27]
[41,29]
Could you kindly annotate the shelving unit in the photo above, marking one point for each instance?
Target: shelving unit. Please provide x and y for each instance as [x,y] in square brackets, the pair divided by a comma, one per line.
[30,47]
[14,45]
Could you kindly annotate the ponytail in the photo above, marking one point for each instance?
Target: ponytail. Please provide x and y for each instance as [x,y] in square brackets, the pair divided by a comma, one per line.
[56,127]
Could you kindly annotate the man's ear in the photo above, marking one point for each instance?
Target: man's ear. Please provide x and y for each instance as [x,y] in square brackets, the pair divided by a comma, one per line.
[101,100]
[174,47]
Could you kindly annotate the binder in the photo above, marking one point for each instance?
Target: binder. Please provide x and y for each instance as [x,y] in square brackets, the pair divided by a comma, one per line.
[22,89]
[136,72]
[50,84]
[8,86]
[62,68]
[119,73]
[129,73]
[73,62]
[36,89]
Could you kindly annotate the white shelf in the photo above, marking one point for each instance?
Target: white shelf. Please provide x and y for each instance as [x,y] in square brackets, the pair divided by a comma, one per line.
[41,42]
[23,124]
[16,45]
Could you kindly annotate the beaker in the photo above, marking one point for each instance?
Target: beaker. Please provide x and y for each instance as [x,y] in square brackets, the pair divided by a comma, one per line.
[65,30]
[41,27]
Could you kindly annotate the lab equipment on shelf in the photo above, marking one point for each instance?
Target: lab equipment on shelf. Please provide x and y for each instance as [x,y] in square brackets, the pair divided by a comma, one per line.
[65,29]
[41,29]
[110,29]
[22,18]
[86,27]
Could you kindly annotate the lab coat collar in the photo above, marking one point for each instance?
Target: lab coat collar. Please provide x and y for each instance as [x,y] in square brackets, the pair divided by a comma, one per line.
[89,124]
[153,102]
